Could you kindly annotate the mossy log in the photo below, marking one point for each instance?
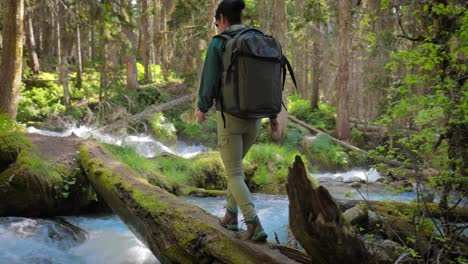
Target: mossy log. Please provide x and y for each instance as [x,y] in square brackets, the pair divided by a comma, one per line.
[457,214]
[175,231]
[318,224]
[46,180]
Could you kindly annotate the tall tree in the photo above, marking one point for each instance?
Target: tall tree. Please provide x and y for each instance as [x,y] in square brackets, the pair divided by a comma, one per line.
[12,55]
[344,25]
[146,38]
[33,61]
[279,30]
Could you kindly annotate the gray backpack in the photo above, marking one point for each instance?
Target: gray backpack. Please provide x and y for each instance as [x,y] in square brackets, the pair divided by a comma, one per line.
[254,72]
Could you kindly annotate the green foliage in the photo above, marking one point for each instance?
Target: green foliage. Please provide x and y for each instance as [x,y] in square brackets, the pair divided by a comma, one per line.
[325,154]
[162,129]
[176,171]
[89,87]
[40,99]
[323,118]
[137,100]
[209,171]
[266,167]
[316,10]
[12,139]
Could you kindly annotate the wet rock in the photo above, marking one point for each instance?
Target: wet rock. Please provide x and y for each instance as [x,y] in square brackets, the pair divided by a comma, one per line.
[339,179]
[357,215]
[382,180]
[401,184]
[46,230]
[355,185]
[55,123]
[387,252]
[354,179]
[325,179]
[373,221]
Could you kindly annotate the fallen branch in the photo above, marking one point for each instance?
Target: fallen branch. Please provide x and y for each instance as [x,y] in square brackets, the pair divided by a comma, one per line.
[351,147]
[158,108]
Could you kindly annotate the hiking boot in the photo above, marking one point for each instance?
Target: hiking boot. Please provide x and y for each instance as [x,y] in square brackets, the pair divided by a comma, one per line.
[255,230]
[229,221]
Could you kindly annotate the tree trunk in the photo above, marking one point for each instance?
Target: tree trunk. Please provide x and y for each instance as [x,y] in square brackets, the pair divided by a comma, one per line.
[279,30]
[318,224]
[344,21]
[132,82]
[146,39]
[79,64]
[264,15]
[175,231]
[316,75]
[12,56]
[62,61]
[33,61]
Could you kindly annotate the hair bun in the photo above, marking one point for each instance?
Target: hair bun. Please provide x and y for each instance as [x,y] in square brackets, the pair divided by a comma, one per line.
[238,4]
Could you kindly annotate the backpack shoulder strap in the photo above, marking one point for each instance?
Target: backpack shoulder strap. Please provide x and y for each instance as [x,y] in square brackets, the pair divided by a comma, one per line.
[286,65]
[245,30]
[224,37]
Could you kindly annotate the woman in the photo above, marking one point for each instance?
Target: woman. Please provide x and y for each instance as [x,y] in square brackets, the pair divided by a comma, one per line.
[237,135]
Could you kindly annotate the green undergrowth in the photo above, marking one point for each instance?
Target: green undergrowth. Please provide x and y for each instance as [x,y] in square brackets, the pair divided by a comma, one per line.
[323,118]
[40,98]
[171,173]
[36,173]
[324,154]
[189,130]
[266,167]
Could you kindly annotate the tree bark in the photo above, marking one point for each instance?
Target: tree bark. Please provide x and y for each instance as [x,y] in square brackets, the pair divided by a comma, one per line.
[12,55]
[146,39]
[132,82]
[264,15]
[175,231]
[318,224]
[343,128]
[79,64]
[279,30]
[316,75]
[33,61]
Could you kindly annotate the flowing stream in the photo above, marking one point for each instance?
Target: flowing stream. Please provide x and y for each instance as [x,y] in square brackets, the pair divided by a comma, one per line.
[108,240]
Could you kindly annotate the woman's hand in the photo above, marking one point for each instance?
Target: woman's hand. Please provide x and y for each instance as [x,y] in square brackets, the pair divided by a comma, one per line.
[274,124]
[201,117]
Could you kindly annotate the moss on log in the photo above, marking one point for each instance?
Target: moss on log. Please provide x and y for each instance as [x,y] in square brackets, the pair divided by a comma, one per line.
[457,214]
[175,231]
[35,186]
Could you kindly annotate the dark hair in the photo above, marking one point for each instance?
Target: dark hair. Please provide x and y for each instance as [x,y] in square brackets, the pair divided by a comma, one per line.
[231,10]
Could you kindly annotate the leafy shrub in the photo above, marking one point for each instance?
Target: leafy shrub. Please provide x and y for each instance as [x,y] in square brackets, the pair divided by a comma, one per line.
[40,98]
[266,167]
[323,118]
[162,129]
[12,139]
[209,171]
[325,154]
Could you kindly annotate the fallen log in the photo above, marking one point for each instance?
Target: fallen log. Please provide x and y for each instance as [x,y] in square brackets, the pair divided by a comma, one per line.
[158,108]
[351,147]
[318,224]
[175,231]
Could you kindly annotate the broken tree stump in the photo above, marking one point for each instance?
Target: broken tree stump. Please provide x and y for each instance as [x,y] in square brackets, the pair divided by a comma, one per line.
[318,224]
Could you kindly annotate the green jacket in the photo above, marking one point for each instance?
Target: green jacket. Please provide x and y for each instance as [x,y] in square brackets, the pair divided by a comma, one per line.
[213,70]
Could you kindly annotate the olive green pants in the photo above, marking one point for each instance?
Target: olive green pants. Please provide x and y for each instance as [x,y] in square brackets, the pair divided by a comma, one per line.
[234,142]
